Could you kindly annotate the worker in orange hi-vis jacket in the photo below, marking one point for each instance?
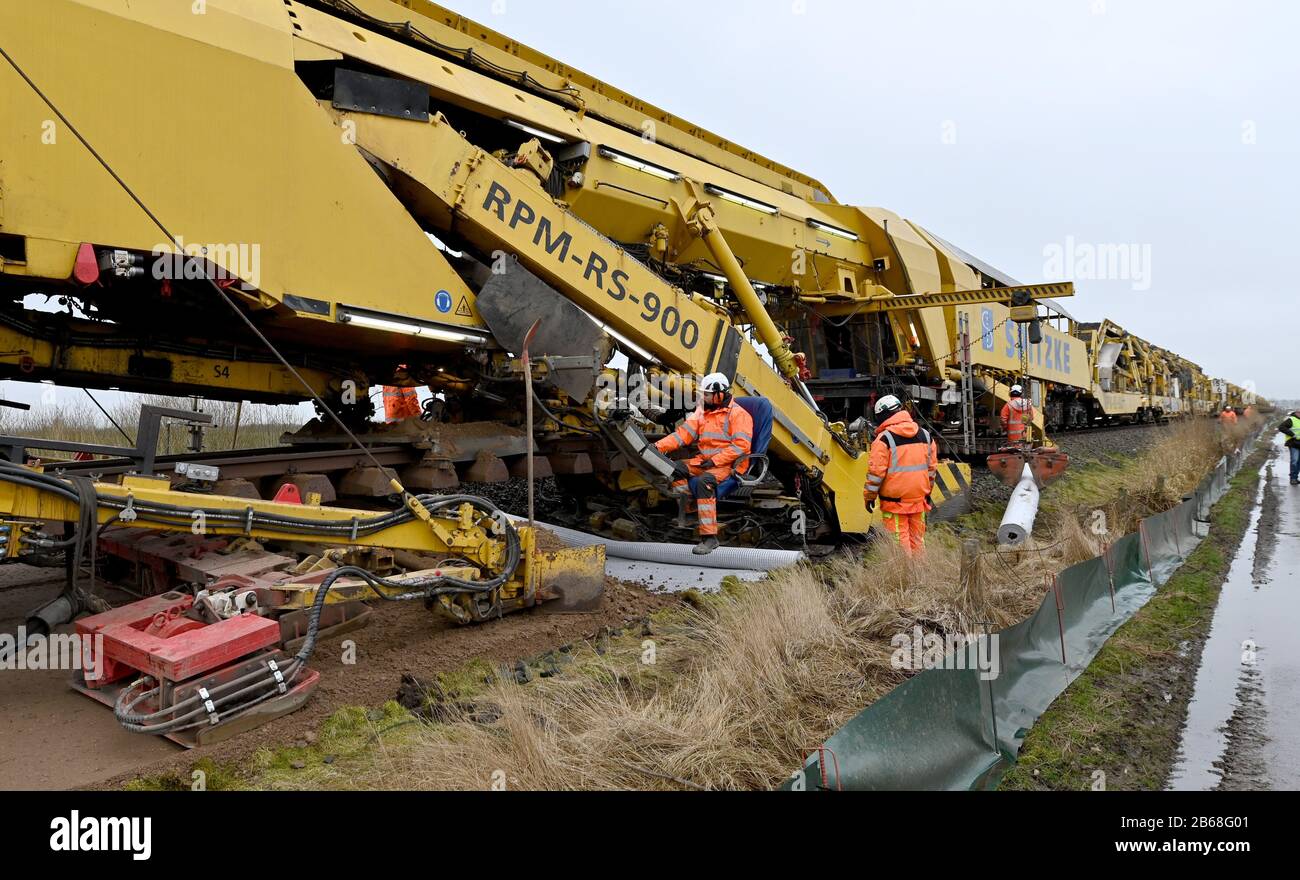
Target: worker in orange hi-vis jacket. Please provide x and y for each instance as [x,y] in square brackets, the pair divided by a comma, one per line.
[904,463]
[1229,437]
[1017,416]
[724,434]
[401,403]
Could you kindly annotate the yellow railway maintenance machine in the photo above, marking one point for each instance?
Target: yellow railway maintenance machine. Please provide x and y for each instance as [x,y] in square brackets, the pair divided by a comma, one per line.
[294,199]
[363,130]
[392,195]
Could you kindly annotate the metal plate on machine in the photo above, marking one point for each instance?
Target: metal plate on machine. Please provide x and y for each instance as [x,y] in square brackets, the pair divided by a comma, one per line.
[572,580]
[381,95]
[509,304]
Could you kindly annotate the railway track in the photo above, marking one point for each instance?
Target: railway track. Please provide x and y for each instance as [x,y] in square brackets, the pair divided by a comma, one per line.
[950,443]
[274,461]
[252,464]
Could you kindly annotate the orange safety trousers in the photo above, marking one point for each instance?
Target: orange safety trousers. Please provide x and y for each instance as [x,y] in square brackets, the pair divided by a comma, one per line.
[908,529]
[401,403]
[705,500]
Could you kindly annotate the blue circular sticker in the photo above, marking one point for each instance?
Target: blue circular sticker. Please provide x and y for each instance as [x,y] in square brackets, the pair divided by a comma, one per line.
[986,323]
[443,301]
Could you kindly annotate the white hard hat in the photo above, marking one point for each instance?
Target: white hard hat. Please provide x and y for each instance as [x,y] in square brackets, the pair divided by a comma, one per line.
[1016,389]
[887,403]
[715,382]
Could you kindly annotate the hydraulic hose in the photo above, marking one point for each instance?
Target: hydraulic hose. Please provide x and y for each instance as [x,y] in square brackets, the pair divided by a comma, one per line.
[263,684]
[168,514]
[237,696]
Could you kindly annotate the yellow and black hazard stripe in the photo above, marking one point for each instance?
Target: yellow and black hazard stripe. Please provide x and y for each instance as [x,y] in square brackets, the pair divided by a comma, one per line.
[951,481]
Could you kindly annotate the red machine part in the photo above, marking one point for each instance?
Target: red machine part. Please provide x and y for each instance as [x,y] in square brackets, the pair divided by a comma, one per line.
[142,613]
[164,560]
[86,269]
[153,637]
[157,638]
[1046,463]
[288,494]
[172,623]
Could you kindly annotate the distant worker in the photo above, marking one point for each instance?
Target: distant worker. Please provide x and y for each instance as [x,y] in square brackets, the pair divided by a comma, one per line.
[1291,428]
[1017,416]
[1228,418]
[904,463]
[723,432]
[401,404]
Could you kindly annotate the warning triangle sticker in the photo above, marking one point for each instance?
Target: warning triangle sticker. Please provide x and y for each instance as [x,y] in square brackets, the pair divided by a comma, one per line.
[463,310]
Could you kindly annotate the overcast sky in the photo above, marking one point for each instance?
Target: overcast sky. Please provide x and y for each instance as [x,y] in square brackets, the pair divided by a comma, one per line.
[1011,129]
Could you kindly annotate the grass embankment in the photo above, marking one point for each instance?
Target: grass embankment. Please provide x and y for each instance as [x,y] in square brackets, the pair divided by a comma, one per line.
[1121,717]
[72,416]
[727,691]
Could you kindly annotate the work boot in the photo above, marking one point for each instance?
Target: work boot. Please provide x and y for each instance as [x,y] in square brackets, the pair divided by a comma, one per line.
[707,546]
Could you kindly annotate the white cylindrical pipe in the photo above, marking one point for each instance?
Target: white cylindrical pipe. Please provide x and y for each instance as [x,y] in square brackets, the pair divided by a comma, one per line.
[1022,510]
[734,558]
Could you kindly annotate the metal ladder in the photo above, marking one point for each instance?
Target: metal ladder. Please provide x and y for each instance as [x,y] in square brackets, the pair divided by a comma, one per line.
[967,385]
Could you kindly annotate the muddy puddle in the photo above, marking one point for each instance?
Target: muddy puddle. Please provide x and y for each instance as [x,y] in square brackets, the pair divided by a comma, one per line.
[1243,725]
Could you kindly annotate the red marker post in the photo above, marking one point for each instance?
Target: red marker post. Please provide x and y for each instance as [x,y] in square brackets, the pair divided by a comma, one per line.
[1060,612]
[1110,574]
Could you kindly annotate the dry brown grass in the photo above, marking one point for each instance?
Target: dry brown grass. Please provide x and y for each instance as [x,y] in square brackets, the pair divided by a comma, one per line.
[742,687]
[1158,479]
[759,677]
[72,416]
[744,684]
[1182,458]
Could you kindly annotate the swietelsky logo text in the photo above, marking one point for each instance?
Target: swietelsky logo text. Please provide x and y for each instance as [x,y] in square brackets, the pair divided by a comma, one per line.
[78,833]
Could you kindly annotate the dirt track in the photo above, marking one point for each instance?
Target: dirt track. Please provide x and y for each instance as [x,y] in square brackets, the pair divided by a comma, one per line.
[55,738]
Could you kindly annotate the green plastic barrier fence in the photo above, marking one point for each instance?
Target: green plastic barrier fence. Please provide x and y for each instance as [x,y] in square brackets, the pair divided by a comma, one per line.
[957,728]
